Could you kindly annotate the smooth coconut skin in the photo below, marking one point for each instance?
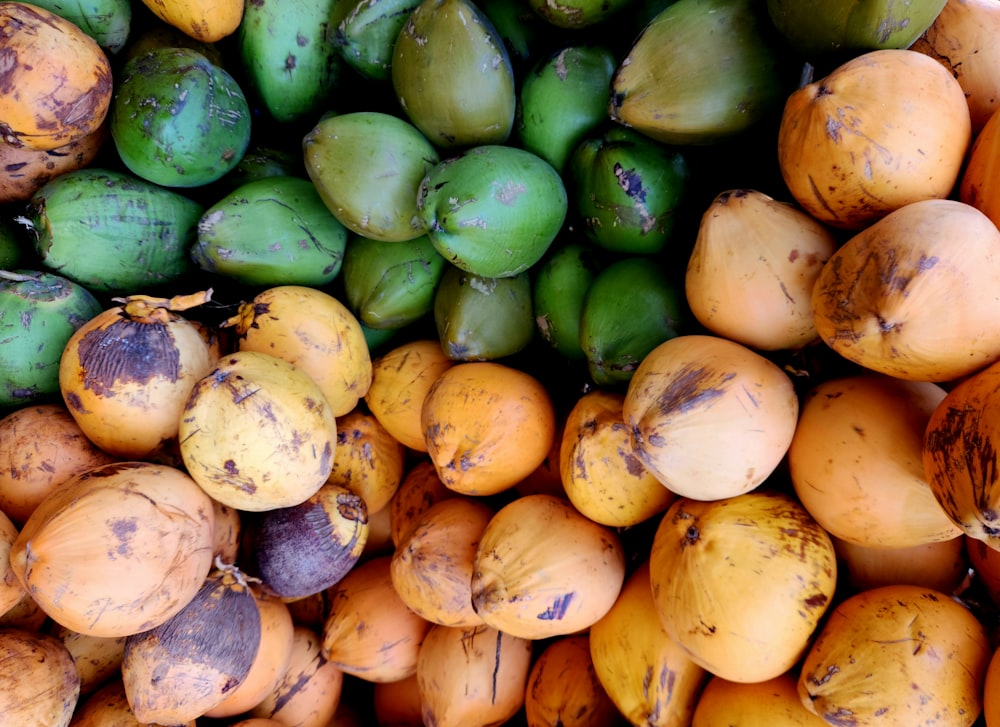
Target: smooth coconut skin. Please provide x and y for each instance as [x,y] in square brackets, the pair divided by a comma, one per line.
[960,455]
[38,679]
[693,384]
[204,22]
[452,75]
[526,569]
[856,461]
[627,189]
[369,631]
[40,447]
[401,378]
[563,687]
[309,689]
[824,28]
[492,210]
[98,658]
[699,72]
[177,119]
[852,148]
[963,38]
[134,362]
[978,186]
[108,705]
[878,300]
[42,310]
[562,99]
[343,149]
[389,285]
[11,590]
[768,703]
[276,38]
[314,331]
[419,490]
[113,232]
[600,473]
[942,565]
[759,292]
[369,462]
[57,80]
[474,675]
[628,644]
[31,169]
[432,566]
[178,670]
[930,652]
[487,426]
[277,632]
[257,433]
[482,318]
[741,583]
[271,231]
[160,525]
[364,34]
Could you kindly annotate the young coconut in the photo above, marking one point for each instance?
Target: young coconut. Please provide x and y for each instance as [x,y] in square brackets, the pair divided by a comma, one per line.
[771,702]
[929,650]
[600,473]
[471,677]
[563,688]
[959,453]
[542,569]
[126,374]
[25,615]
[308,692]
[308,547]
[420,489]
[98,659]
[741,583]
[370,462]
[28,170]
[257,433]
[693,384]
[369,631]
[400,381]
[109,707]
[41,312]
[58,82]
[628,645]
[876,300]
[11,590]
[757,292]
[487,426]
[179,670]
[40,447]
[432,566]
[118,549]
[314,331]
[277,632]
[38,680]
[856,461]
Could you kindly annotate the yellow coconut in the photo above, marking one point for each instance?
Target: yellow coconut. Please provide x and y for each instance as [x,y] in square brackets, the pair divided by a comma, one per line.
[709,417]
[257,433]
[742,583]
[313,330]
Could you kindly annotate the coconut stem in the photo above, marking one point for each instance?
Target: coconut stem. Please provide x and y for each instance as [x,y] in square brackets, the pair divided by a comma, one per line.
[806,77]
[157,310]
[230,570]
[242,320]
[16,277]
